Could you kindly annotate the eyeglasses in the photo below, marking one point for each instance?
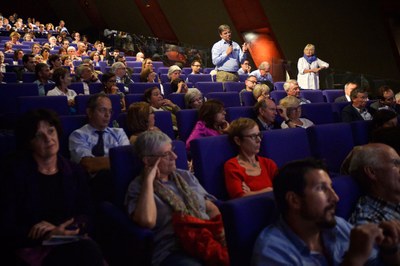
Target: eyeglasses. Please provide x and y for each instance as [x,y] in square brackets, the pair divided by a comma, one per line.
[166,155]
[254,136]
[252,81]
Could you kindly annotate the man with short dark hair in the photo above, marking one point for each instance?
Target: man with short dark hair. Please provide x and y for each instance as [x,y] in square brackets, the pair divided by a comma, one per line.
[309,233]
[28,66]
[250,83]
[348,87]
[385,100]
[266,114]
[43,77]
[357,109]
[196,67]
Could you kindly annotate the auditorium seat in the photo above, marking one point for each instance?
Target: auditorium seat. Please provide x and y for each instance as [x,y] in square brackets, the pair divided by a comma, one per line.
[135,77]
[207,87]
[10,93]
[318,113]
[361,131]
[314,96]
[234,86]
[69,123]
[194,78]
[10,77]
[163,121]
[337,110]
[277,95]
[186,120]
[244,219]
[209,155]
[278,86]
[248,98]
[133,98]
[331,95]
[141,87]
[133,64]
[233,113]
[58,104]
[229,99]
[349,192]
[164,77]
[207,70]
[186,70]
[331,142]
[178,99]
[77,87]
[81,103]
[95,88]
[242,77]
[28,77]
[285,145]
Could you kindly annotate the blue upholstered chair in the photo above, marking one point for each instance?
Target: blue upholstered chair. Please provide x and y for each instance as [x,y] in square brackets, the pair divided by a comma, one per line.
[277,95]
[77,87]
[194,78]
[331,95]
[314,96]
[58,104]
[236,112]
[331,142]
[133,98]
[348,191]
[337,110]
[244,219]
[318,113]
[207,87]
[10,77]
[178,99]
[95,88]
[10,93]
[361,131]
[69,123]
[234,86]
[186,120]
[209,155]
[278,86]
[135,77]
[141,87]
[285,145]
[229,99]
[248,98]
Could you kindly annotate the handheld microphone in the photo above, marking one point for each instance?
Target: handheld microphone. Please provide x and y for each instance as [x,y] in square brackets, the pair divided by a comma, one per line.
[230,43]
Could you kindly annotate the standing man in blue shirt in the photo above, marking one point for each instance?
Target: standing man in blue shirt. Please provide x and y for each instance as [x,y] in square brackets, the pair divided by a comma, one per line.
[227,55]
[309,233]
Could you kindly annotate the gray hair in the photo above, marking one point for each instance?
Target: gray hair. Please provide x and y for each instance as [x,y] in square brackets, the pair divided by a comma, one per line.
[190,95]
[263,65]
[148,142]
[286,85]
[117,65]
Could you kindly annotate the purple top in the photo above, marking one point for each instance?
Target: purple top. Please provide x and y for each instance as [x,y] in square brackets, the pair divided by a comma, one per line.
[200,130]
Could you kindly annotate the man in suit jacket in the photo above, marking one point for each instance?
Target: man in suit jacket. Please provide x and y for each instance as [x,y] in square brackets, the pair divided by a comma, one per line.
[357,109]
[266,114]
[348,87]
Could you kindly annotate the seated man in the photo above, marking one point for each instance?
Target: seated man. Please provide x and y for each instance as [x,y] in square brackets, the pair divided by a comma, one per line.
[262,74]
[90,144]
[309,233]
[292,88]
[250,83]
[196,67]
[385,100]
[266,113]
[43,75]
[28,66]
[375,167]
[245,68]
[357,109]
[348,87]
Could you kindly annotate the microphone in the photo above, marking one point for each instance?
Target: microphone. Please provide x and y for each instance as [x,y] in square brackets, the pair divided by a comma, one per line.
[230,43]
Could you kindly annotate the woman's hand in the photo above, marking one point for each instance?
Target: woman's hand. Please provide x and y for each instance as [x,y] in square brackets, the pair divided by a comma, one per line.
[282,112]
[63,231]
[167,102]
[224,126]
[245,188]
[152,172]
[45,229]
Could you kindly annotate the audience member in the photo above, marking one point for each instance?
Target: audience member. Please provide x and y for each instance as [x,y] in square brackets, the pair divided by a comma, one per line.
[384,118]
[109,80]
[54,62]
[162,195]
[178,85]
[47,198]
[211,121]
[250,83]
[388,136]
[119,69]
[309,233]
[266,113]
[36,49]
[292,89]
[290,110]
[18,54]
[139,57]
[245,68]
[247,173]
[193,99]
[196,66]
[147,63]
[385,100]
[397,97]
[262,74]
[261,92]
[85,75]
[348,87]
[227,55]
[174,72]
[357,109]
[8,48]
[62,79]
[43,77]
[140,118]
[148,75]
[2,64]
[14,38]
[81,49]
[28,66]
[309,66]
[45,53]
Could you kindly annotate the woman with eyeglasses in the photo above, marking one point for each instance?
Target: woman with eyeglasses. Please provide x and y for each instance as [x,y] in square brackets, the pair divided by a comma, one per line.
[247,174]
[140,118]
[109,81]
[290,110]
[261,92]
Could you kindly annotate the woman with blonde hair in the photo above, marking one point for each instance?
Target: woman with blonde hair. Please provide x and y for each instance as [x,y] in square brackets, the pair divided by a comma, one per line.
[290,110]
[309,66]
[140,118]
[261,92]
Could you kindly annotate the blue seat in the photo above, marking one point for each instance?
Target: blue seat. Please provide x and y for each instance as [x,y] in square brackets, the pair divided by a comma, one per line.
[361,131]
[349,192]
[314,96]
[164,78]
[278,85]
[207,70]
[7,143]
[141,87]
[244,219]
[178,99]
[331,95]
[234,86]
[243,77]
[58,104]
[135,77]
[186,70]
[209,155]
[48,87]
[318,113]
[207,87]
[295,138]
[157,65]
[163,121]
[133,64]
[186,120]
[277,95]
[233,113]
[229,99]
[133,98]
[331,142]
[248,98]
[81,103]
[194,78]
[28,77]
[10,77]
[337,110]
[69,123]
[77,87]
[95,88]
[10,93]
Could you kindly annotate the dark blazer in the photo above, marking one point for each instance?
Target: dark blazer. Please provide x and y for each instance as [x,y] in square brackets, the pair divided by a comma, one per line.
[275,125]
[341,99]
[349,114]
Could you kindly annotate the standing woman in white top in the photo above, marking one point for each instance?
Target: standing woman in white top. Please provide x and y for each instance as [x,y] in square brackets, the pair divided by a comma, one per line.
[309,66]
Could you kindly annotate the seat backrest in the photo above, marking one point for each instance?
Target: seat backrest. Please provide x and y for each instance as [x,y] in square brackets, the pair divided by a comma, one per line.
[349,192]
[236,112]
[234,86]
[337,110]
[295,139]
[207,70]
[95,88]
[314,96]
[242,77]
[163,121]
[10,77]
[318,113]
[125,166]
[77,87]
[186,120]
[9,94]
[164,77]
[331,142]
[69,123]
[247,98]
[229,99]
[178,99]
[141,87]
[209,155]
[133,98]
[81,103]
[207,87]
[135,77]
[361,131]
[194,78]
[244,219]
[278,85]
[331,95]
[186,70]
[277,95]
[58,104]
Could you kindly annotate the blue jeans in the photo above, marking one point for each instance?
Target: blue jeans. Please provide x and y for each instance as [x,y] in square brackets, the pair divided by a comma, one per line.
[179,258]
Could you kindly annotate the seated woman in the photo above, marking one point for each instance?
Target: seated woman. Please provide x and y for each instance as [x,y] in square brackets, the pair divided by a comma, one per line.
[193,99]
[261,92]
[109,80]
[46,196]
[247,174]
[174,72]
[140,118]
[290,110]
[162,194]
[178,85]
[62,79]
[157,102]
[211,121]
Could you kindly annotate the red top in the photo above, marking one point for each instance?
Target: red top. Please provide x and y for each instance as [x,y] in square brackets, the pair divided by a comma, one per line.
[235,174]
